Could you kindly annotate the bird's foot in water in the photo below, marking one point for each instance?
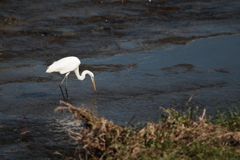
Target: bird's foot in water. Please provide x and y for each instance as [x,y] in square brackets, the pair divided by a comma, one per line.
[67,100]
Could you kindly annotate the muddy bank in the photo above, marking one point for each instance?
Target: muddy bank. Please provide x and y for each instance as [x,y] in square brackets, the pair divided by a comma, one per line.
[51,30]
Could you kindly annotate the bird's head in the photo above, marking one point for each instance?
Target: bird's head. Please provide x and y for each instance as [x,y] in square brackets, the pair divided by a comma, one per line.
[92,78]
[82,77]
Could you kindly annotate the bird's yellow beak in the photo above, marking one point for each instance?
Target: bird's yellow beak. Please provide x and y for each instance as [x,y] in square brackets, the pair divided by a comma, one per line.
[94,85]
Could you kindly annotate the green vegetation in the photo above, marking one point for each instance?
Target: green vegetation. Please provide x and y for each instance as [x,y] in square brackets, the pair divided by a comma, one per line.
[177,135]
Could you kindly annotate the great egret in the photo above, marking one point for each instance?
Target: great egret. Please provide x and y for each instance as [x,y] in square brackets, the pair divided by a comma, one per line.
[65,66]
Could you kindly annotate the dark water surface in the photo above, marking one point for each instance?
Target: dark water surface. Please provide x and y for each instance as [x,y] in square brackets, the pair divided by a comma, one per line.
[144,55]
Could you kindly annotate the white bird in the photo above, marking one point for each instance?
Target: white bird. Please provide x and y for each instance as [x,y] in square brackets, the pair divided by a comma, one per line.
[65,66]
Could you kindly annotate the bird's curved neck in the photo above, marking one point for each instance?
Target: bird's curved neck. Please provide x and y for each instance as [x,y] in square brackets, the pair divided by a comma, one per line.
[82,76]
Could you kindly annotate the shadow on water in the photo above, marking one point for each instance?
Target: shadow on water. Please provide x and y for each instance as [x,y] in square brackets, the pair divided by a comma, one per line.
[144,55]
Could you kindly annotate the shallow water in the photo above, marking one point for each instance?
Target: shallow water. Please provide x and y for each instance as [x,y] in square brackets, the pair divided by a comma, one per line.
[144,55]
[207,69]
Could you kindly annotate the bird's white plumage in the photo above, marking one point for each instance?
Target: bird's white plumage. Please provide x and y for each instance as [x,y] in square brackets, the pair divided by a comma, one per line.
[64,65]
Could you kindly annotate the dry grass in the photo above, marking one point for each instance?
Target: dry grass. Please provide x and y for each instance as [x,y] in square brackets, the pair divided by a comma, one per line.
[176,136]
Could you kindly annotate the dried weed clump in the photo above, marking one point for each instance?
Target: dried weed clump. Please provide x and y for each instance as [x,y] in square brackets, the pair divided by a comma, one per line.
[175,136]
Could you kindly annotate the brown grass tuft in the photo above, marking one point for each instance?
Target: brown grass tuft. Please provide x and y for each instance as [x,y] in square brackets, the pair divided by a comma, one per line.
[103,139]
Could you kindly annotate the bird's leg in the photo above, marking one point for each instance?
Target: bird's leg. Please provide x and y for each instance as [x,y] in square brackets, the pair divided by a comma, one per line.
[66,88]
[60,85]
